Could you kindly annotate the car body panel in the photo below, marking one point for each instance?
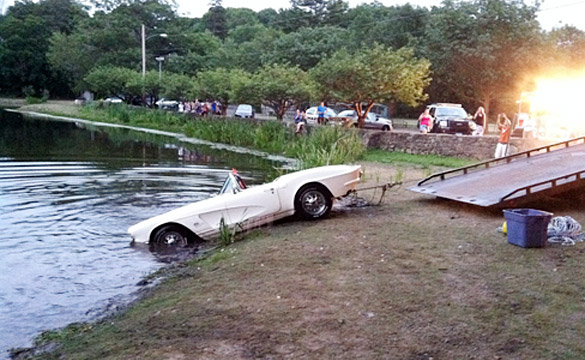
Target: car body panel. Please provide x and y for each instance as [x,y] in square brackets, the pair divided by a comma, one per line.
[312,115]
[373,121]
[250,207]
[244,111]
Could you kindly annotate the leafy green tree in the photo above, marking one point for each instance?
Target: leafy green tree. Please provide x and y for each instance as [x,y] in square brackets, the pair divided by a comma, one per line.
[107,81]
[240,17]
[192,52]
[221,84]
[395,26]
[279,87]
[148,86]
[112,39]
[564,47]
[307,46]
[25,32]
[176,86]
[216,20]
[249,47]
[375,75]
[481,50]
[267,17]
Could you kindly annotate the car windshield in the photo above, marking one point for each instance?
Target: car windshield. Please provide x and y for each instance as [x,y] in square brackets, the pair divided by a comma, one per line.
[451,111]
[232,184]
[245,108]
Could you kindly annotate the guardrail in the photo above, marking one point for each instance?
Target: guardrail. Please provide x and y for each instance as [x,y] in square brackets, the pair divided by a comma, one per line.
[507,159]
[527,190]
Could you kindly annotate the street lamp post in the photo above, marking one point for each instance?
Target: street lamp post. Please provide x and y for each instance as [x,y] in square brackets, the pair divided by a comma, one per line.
[160,59]
[144,38]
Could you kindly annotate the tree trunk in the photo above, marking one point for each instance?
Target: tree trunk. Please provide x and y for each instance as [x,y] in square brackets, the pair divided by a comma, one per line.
[281,110]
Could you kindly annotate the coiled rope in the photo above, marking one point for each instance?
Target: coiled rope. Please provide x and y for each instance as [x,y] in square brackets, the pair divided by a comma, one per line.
[564,230]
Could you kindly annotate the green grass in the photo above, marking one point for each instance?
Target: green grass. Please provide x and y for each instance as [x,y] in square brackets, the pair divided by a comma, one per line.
[322,146]
[388,157]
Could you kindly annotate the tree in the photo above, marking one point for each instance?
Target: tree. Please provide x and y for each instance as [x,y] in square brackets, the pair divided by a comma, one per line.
[221,84]
[25,32]
[249,47]
[481,50]
[193,52]
[279,87]
[307,46]
[376,75]
[395,26]
[216,20]
[112,39]
[109,81]
[565,47]
[177,86]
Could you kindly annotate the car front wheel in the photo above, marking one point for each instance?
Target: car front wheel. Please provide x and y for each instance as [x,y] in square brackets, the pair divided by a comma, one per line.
[171,236]
[313,202]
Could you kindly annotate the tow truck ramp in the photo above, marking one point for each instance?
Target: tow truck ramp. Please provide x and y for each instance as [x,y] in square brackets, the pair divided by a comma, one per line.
[519,177]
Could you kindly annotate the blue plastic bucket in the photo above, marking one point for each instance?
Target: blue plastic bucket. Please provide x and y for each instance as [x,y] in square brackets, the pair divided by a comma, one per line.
[527,227]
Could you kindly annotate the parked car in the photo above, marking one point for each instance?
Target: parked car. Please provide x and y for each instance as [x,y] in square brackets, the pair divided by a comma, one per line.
[451,119]
[312,115]
[167,104]
[113,100]
[373,121]
[308,193]
[245,111]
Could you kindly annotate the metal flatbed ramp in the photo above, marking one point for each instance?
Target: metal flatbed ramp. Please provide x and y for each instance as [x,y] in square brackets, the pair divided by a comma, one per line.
[522,176]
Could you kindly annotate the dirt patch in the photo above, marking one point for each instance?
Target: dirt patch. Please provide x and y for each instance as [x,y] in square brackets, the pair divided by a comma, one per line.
[413,278]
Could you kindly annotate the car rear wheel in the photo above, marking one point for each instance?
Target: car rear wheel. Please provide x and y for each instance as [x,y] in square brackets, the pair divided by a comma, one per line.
[313,202]
[386,128]
[171,236]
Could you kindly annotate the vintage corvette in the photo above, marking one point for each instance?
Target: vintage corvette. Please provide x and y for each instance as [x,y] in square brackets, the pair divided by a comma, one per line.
[308,193]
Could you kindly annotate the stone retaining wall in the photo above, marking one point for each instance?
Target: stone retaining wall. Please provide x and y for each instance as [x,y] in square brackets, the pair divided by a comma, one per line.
[479,147]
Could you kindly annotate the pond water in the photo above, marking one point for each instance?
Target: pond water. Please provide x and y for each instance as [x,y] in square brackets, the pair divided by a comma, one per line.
[68,193]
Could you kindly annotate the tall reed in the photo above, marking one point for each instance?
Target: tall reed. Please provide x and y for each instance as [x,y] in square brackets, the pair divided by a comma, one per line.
[324,145]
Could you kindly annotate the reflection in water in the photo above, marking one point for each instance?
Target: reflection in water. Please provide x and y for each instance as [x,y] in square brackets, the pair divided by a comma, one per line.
[68,196]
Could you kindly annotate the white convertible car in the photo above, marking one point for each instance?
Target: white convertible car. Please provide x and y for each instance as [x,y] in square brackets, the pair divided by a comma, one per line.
[309,193]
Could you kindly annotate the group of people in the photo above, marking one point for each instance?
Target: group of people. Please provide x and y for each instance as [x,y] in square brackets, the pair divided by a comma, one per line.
[504,126]
[198,108]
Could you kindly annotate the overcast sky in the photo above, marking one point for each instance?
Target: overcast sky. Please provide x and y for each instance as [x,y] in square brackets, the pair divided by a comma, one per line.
[554,13]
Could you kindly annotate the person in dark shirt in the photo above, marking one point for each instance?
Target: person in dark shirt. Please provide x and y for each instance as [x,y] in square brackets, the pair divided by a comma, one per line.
[480,120]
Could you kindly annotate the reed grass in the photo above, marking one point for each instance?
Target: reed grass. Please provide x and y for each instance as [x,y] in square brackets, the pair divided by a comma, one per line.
[327,145]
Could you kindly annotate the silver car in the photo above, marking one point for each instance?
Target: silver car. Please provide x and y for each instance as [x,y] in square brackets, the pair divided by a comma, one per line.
[373,121]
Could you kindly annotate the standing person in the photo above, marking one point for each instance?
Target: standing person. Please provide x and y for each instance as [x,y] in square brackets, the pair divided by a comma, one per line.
[505,129]
[321,110]
[480,120]
[425,122]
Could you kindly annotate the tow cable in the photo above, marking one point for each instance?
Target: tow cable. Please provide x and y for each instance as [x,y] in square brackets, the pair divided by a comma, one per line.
[383,187]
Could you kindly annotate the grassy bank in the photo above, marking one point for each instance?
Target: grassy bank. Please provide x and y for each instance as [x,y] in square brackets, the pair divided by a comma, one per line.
[414,278]
[322,146]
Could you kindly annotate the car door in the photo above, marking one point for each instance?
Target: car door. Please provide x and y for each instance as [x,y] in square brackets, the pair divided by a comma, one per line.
[252,207]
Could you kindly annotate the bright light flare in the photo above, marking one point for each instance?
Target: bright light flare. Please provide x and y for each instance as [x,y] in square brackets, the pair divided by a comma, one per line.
[556,104]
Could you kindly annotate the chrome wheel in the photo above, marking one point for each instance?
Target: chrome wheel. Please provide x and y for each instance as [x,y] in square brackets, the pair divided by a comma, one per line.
[313,202]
